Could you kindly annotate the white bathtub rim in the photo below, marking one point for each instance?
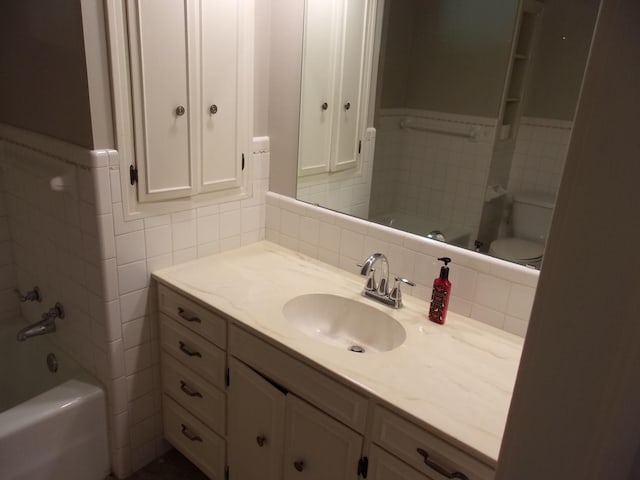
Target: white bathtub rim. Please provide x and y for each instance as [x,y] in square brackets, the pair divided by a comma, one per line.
[48,403]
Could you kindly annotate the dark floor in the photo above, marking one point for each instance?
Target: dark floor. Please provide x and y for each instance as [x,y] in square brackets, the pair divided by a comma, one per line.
[171,466]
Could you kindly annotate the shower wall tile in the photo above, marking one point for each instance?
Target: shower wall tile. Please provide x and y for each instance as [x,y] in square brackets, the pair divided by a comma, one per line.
[484,288]
[78,247]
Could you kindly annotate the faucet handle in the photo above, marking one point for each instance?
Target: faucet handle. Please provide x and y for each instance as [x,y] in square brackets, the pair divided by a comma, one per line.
[32,295]
[371,281]
[396,293]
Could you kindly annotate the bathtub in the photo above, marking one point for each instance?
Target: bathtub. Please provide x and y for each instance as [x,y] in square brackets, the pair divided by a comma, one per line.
[423,226]
[52,425]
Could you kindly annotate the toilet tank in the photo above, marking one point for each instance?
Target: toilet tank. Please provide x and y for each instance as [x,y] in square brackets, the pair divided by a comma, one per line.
[532,215]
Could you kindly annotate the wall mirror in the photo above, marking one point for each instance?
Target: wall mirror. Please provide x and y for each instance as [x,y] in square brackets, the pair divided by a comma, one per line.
[445,118]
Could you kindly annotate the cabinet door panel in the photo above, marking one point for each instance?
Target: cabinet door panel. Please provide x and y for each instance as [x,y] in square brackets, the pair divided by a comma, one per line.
[256,423]
[158,38]
[318,77]
[220,31]
[317,447]
[348,118]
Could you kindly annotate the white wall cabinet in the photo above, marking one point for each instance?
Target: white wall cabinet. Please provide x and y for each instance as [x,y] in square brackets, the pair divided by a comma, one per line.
[270,416]
[186,69]
[336,56]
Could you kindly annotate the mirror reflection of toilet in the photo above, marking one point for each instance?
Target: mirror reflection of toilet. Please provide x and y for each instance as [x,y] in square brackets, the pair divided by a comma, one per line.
[531,217]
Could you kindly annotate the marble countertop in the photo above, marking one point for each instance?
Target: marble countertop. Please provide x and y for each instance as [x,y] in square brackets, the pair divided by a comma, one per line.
[458,377]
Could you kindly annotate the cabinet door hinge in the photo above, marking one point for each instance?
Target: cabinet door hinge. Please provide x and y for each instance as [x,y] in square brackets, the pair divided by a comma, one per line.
[363,467]
[359,146]
[227,377]
[226,472]
[243,161]
[133,175]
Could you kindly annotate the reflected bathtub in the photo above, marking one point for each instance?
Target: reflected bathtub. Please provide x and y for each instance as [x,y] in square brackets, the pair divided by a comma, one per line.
[52,425]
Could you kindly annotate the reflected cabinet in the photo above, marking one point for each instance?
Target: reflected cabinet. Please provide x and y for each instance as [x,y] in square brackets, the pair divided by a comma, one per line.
[333,101]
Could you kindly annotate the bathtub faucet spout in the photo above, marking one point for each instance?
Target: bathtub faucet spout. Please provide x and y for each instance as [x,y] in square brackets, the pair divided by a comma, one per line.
[47,324]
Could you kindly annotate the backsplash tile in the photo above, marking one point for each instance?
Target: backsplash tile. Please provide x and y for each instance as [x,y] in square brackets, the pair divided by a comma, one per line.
[484,288]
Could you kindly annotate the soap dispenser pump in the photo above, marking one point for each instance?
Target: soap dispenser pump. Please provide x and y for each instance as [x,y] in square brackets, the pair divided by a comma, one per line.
[440,294]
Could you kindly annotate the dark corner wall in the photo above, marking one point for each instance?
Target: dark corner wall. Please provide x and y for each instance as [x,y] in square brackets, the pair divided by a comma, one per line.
[43,72]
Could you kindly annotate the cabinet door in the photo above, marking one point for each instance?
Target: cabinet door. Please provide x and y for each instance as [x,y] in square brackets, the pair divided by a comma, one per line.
[222,31]
[317,105]
[158,41]
[348,109]
[256,423]
[317,447]
[383,466]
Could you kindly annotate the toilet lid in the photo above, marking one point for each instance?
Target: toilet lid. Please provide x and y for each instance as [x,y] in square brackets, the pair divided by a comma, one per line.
[517,249]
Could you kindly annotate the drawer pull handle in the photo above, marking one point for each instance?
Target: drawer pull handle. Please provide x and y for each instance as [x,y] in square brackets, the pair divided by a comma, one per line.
[189,434]
[188,316]
[185,350]
[441,470]
[187,389]
[298,465]
[261,440]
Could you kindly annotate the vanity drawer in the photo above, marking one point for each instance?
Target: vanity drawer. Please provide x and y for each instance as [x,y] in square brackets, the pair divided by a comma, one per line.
[403,439]
[193,351]
[384,466]
[193,316]
[195,441]
[330,396]
[194,393]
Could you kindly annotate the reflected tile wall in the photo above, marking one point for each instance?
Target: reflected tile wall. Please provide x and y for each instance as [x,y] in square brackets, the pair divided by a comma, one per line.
[439,177]
[540,153]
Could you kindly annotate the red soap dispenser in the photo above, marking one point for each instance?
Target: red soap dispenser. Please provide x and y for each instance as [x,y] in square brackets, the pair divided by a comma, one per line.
[440,294]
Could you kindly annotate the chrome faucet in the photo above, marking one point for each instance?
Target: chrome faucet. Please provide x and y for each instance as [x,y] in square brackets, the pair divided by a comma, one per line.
[47,324]
[380,290]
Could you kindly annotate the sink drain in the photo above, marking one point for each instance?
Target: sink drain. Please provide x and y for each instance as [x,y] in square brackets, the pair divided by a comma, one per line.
[356,348]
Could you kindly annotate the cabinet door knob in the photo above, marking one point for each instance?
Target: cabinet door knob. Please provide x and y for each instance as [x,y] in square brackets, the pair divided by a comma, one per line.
[180,110]
[261,440]
[347,105]
[298,465]
[213,109]
[441,470]
[325,105]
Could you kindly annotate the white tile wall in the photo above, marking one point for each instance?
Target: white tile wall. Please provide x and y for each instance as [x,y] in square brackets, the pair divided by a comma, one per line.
[9,307]
[77,247]
[484,288]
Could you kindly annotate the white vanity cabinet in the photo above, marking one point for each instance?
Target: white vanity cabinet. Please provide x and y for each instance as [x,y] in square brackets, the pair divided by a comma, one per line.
[335,59]
[305,441]
[190,81]
[417,450]
[193,362]
[273,434]
[237,404]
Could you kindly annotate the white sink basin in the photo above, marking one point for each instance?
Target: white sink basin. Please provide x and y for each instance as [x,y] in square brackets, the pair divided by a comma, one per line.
[344,323]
